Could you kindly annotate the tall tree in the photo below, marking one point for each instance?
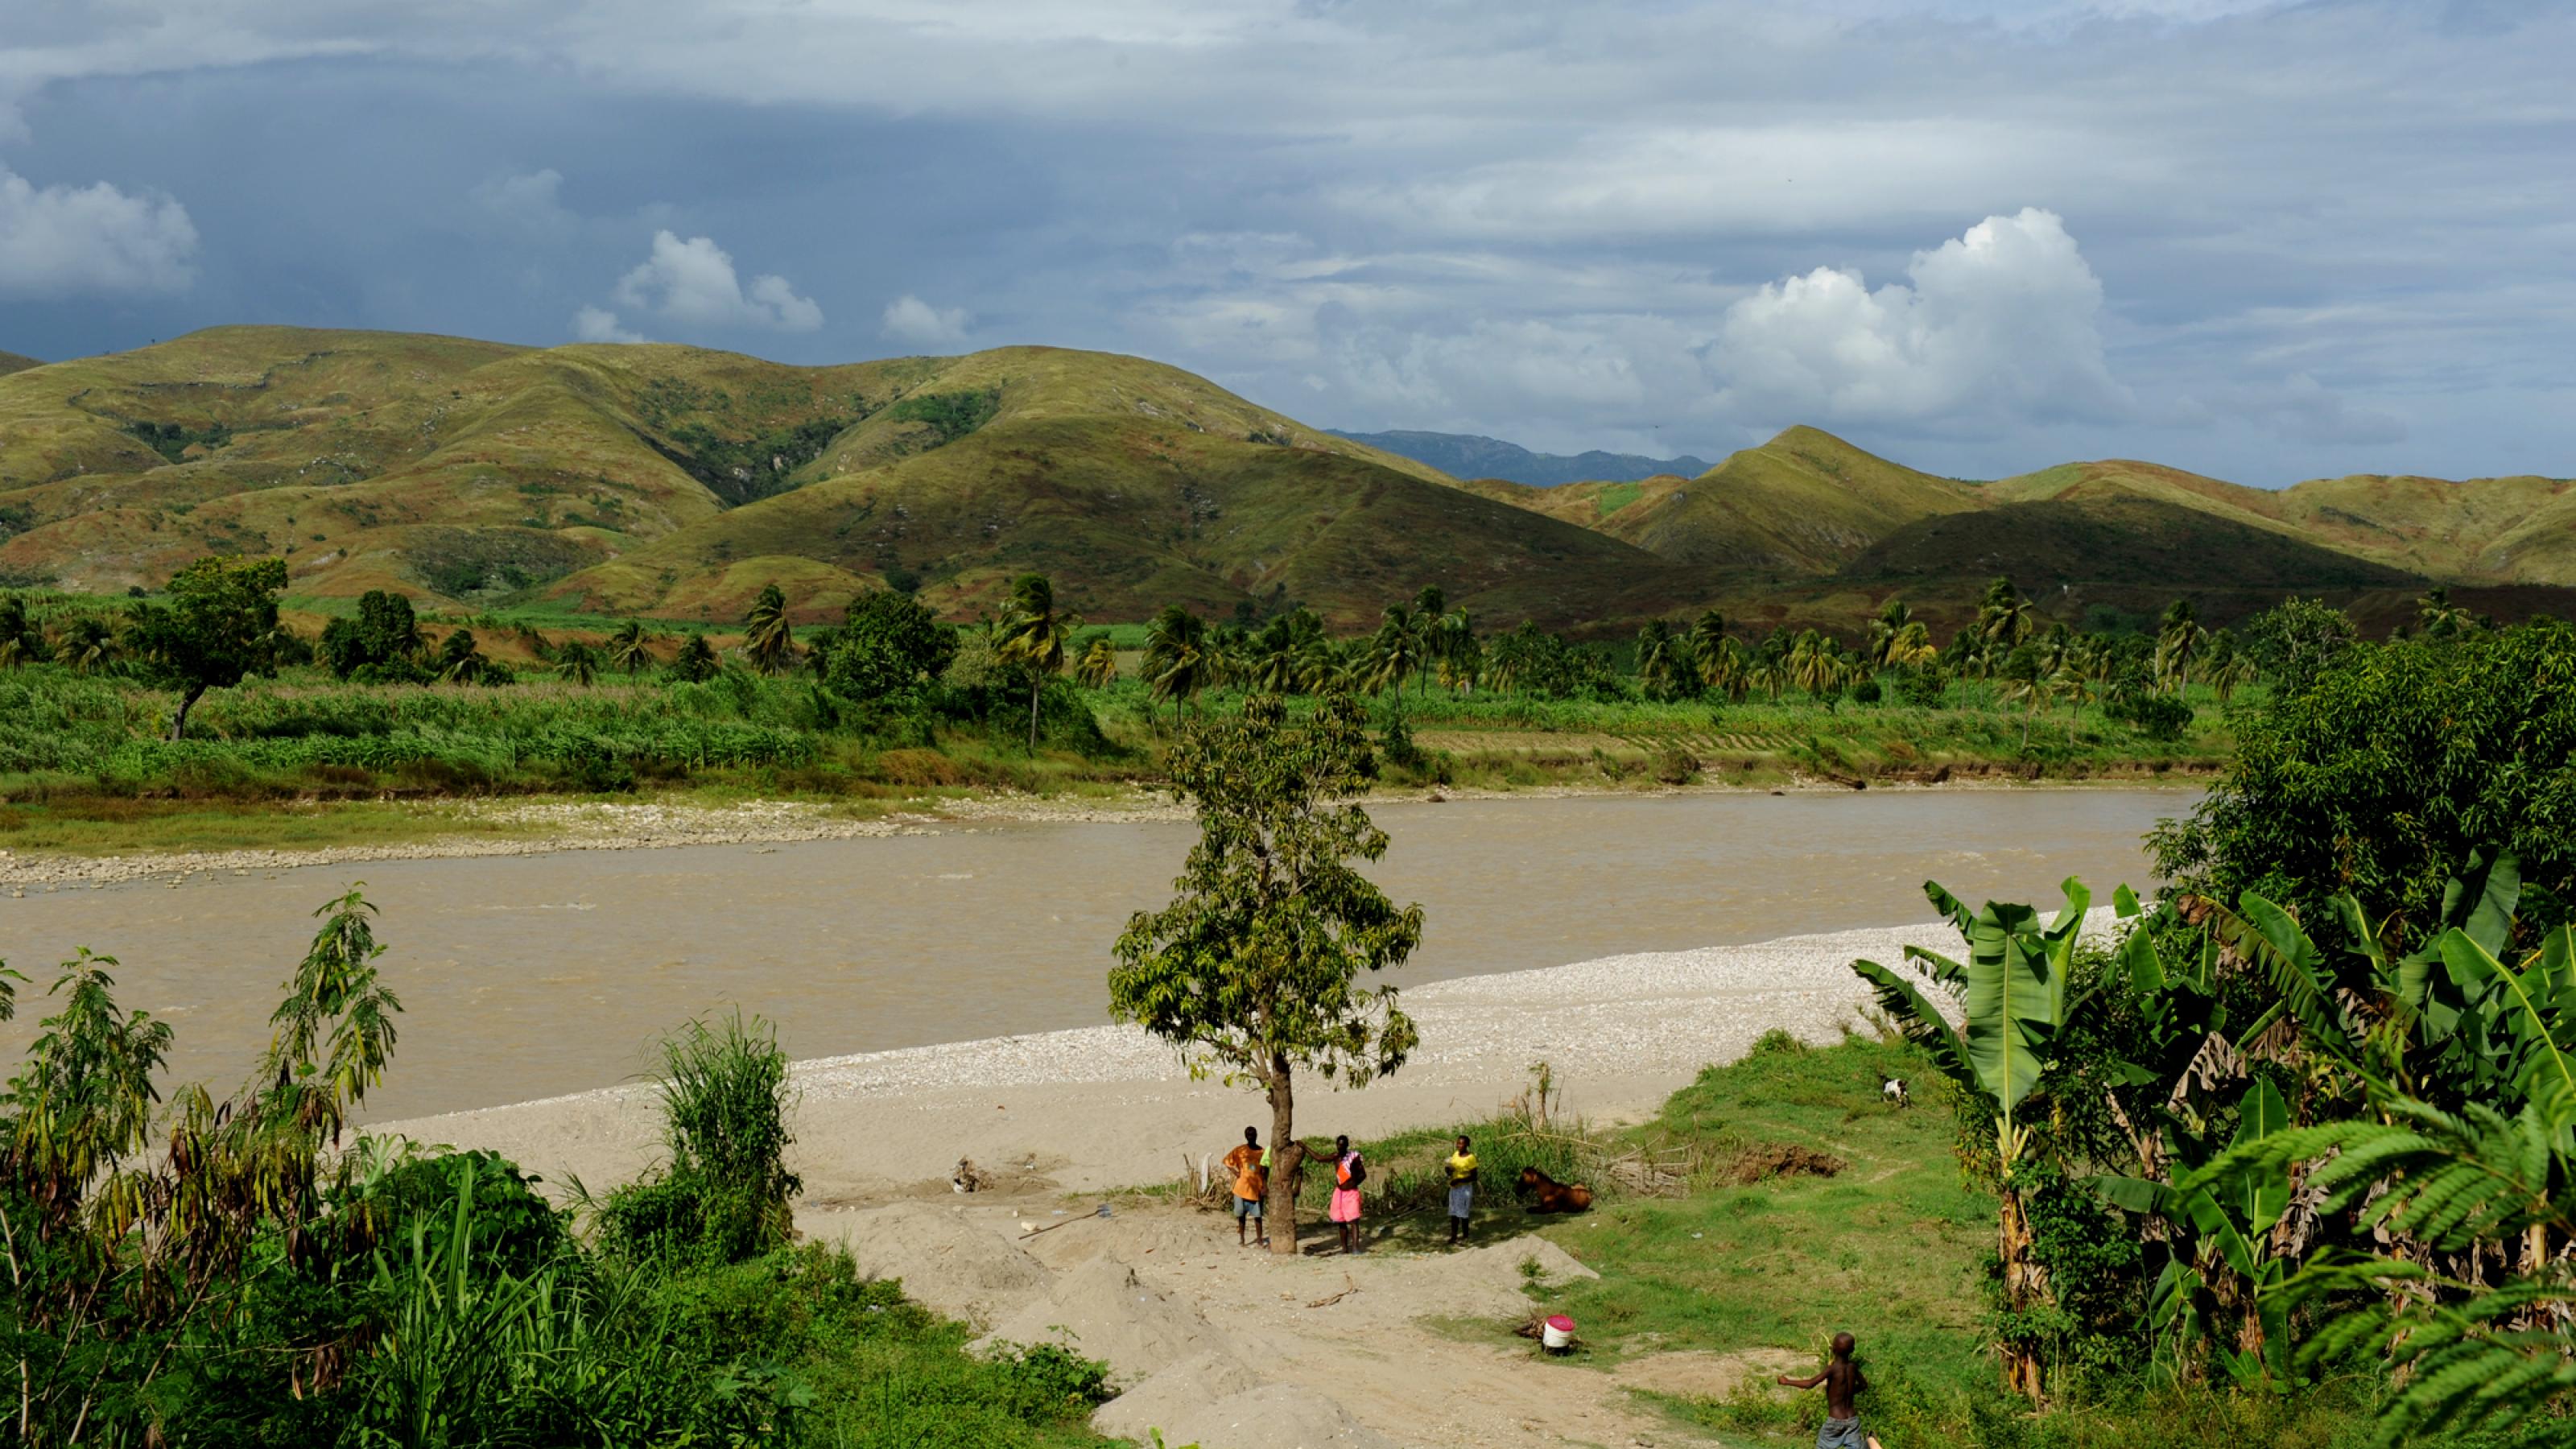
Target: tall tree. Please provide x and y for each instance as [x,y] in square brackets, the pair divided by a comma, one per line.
[2179,640]
[2004,616]
[1033,636]
[696,662]
[630,648]
[768,640]
[1098,666]
[1253,970]
[1177,662]
[217,629]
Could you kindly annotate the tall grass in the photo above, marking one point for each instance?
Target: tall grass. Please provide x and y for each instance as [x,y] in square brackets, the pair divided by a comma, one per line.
[725,1194]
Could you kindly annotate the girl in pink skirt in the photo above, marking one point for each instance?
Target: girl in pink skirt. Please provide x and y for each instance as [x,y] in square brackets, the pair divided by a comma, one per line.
[1348,1173]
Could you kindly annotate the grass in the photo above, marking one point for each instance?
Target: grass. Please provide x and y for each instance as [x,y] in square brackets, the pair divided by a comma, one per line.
[1893,1248]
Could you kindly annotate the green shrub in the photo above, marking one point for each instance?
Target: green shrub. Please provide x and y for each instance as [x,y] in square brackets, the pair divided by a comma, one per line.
[724,1194]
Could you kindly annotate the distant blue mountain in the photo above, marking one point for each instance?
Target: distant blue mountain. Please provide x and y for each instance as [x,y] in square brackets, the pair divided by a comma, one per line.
[1464,455]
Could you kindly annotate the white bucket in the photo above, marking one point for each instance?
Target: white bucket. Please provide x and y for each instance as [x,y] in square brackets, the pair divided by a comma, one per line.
[1557,1333]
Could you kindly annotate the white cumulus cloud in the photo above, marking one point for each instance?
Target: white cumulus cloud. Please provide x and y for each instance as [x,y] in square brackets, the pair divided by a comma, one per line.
[2002,321]
[91,240]
[598,324]
[693,283]
[910,319]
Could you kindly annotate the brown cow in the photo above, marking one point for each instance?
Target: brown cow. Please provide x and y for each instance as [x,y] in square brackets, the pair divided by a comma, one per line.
[1550,1196]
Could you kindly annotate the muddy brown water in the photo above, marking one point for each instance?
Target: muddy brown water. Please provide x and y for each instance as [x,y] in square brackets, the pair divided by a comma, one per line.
[531,976]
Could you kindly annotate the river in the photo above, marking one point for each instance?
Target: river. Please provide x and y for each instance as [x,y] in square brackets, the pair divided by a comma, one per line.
[530,976]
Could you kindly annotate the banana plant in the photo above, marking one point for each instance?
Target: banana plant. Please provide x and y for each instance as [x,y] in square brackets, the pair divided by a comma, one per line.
[2227,1256]
[2012,994]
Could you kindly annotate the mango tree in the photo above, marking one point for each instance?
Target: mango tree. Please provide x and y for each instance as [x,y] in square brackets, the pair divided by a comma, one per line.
[1252,971]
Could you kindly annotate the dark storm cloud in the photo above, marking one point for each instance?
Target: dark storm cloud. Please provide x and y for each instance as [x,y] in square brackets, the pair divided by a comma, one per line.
[2265,240]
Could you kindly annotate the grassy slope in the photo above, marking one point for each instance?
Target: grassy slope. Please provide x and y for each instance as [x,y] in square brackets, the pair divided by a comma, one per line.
[2489,530]
[1891,1249]
[1136,486]
[2113,537]
[635,478]
[1805,502]
[17,362]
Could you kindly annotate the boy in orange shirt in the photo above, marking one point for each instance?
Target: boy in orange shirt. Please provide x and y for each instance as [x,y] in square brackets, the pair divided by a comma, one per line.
[1249,1164]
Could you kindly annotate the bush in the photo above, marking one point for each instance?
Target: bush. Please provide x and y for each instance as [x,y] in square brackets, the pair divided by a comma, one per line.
[516,1231]
[724,1195]
[2160,717]
[1923,688]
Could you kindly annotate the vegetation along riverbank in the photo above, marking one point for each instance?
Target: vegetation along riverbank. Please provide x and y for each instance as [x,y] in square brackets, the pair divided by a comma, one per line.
[217,716]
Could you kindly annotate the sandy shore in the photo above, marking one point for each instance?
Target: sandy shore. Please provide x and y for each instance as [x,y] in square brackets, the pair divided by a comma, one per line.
[1108,1106]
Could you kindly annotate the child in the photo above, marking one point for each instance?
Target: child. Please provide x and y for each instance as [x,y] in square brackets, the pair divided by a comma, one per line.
[1462,1190]
[1250,1166]
[1348,1173]
[1843,1383]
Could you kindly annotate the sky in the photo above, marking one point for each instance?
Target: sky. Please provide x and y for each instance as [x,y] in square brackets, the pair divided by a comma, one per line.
[2265,241]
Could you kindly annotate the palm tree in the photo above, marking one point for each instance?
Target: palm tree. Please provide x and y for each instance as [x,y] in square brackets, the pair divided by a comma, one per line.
[768,640]
[2438,617]
[1033,636]
[1394,652]
[2228,668]
[2005,616]
[1098,666]
[1454,646]
[1816,665]
[1176,664]
[1769,676]
[460,658]
[578,662]
[2178,642]
[1658,659]
[1893,620]
[88,644]
[629,649]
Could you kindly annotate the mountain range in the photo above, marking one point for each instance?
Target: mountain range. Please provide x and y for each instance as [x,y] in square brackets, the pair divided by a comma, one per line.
[1468,455]
[676,482]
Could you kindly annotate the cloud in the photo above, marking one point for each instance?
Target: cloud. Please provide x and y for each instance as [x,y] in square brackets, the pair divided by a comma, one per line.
[692,283]
[598,324]
[530,201]
[63,241]
[2308,411]
[910,319]
[2001,323]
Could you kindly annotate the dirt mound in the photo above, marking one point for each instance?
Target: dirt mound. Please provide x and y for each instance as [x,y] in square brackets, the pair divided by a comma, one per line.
[1555,1265]
[946,1262]
[1765,1160]
[1173,1394]
[1274,1416]
[1106,1312]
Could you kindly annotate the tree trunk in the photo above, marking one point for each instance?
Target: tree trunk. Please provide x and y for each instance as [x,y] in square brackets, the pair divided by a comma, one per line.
[1286,1153]
[1034,686]
[2021,1291]
[187,701]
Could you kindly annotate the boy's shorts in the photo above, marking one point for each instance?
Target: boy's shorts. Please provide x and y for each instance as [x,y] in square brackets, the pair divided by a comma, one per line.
[1247,1207]
[1840,1434]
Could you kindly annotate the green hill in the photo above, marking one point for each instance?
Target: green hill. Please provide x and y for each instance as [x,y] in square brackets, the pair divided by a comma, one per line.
[2113,538]
[1805,502]
[17,362]
[679,481]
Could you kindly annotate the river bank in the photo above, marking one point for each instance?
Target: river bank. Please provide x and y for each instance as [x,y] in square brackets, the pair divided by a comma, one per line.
[1095,1108]
[535,975]
[469,829]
